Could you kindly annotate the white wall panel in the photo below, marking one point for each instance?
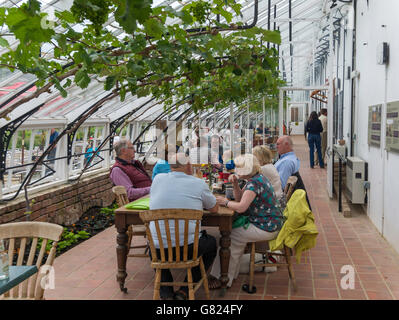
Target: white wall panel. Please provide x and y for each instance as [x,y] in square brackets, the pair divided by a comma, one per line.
[378,84]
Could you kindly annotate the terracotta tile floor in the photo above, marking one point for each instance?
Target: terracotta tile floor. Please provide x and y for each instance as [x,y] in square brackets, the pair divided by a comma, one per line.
[88,271]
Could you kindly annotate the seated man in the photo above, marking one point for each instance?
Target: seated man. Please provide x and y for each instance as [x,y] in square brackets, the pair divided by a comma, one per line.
[288,164]
[128,172]
[179,189]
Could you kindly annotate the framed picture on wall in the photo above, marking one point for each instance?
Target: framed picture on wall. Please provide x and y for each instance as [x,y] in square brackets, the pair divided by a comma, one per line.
[392,127]
[374,127]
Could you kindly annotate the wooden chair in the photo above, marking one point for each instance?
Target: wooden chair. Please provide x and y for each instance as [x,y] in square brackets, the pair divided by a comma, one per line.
[174,259]
[290,187]
[121,200]
[20,236]
[263,246]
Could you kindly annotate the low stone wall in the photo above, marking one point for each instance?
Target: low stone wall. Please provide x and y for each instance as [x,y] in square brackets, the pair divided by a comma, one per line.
[64,204]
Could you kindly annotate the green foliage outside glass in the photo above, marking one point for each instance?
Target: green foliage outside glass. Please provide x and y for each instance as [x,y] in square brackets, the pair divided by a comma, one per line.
[68,238]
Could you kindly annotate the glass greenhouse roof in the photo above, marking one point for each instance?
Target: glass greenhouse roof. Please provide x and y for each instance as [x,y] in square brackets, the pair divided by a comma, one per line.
[300,22]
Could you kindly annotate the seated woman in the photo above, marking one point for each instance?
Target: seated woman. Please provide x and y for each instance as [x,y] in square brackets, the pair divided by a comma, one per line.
[264,156]
[258,200]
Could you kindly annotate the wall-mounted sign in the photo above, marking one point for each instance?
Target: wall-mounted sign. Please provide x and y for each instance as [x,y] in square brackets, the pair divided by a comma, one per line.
[392,134]
[374,132]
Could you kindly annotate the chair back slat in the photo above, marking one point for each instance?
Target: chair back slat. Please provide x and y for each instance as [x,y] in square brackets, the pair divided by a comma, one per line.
[196,237]
[11,248]
[185,250]
[177,240]
[21,252]
[41,253]
[169,240]
[21,234]
[32,252]
[290,186]
[151,242]
[160,241]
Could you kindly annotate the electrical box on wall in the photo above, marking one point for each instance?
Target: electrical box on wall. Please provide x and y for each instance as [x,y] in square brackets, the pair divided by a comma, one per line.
[383,53]
[356,174]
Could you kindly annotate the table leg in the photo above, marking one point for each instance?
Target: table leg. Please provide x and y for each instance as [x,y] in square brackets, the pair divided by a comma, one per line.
[121,253]
[224,254]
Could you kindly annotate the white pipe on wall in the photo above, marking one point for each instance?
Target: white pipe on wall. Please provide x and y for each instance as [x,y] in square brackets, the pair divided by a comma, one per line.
[280,112]
[264,120]
[330,106]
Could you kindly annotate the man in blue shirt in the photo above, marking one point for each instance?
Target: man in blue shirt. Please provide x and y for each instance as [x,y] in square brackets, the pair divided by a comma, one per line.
[179,189]
[288,164]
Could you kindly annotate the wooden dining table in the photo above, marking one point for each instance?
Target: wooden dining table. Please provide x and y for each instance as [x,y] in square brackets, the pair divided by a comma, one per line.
[223,219]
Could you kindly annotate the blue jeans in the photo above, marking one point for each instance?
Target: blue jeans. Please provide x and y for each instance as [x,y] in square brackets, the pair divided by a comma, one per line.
[315,139]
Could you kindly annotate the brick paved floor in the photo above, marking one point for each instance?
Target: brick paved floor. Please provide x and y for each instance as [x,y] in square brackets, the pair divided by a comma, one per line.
[88,271]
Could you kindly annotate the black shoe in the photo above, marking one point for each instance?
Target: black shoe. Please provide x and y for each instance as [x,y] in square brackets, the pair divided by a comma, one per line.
[180,295]
[312,167]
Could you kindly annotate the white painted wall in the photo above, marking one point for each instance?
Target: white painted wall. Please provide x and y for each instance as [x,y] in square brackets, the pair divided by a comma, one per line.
[297,128]
[378,84]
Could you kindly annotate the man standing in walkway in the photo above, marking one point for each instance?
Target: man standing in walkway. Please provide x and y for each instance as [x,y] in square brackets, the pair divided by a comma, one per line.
[288,164]
[323,119]
[129,172]
[180,189]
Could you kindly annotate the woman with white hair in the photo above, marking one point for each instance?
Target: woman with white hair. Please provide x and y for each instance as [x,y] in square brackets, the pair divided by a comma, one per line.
[264,218]
[264,156]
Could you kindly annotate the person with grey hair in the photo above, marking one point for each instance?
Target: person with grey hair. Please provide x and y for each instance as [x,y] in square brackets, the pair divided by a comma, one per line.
[129,172]
[288,164]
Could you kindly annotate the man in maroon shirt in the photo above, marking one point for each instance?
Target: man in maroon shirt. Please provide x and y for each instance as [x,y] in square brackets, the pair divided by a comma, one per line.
[129,172]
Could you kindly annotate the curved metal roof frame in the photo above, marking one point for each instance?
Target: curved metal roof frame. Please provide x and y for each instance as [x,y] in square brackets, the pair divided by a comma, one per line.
[294,18]
[309,10]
